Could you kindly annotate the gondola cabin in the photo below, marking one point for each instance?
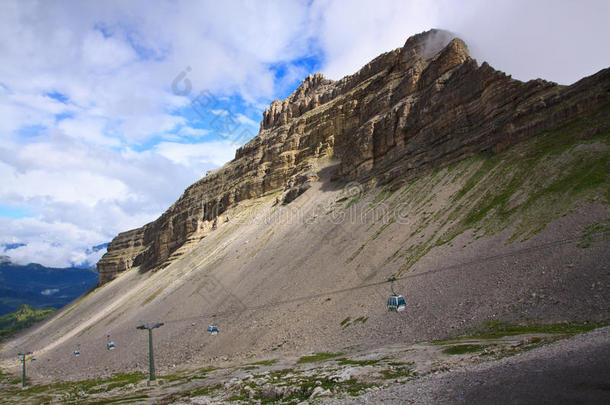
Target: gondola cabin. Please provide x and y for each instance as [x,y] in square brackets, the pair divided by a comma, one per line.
[212,330]
[396,303]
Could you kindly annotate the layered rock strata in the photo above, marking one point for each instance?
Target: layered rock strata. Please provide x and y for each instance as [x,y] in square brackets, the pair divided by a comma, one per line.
[427,104]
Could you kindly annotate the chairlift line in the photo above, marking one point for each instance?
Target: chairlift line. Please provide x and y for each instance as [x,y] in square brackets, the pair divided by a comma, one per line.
[397,300]
[378,283]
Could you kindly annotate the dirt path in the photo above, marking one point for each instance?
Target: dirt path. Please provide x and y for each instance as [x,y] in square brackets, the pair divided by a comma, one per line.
[571,371]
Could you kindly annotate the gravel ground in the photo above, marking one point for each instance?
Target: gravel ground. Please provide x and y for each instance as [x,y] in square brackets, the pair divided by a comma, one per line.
[571,371]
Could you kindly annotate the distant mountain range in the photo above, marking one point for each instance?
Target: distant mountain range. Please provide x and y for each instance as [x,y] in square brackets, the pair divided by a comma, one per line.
[41,287]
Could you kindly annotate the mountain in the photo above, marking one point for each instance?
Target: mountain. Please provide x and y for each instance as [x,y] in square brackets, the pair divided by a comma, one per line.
[41,287]
[421,107]
[486,197]
[24,317]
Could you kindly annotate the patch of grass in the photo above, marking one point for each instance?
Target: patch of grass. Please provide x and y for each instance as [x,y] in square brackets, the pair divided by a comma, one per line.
[117,380]
[79,391]
[482,171]
[130,378]
[352,386]
[316,357]
[394,256]
[398,372]
[174,377]
[383,195]
[463,349]
[301,390]
[356,253]
[264,362]
[344,361]
[241,397]
[523,346]
[507,190]
[204,371]
[281,373]
[510,190]
[361,319]
[117,400]
[495,329]
[8,378]
[398,364]
[207,390]
[383,227]
[602,228]
[353,201]
[348,321]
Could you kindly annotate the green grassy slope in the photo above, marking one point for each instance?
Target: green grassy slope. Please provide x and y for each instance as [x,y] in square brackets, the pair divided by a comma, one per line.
[24,317]
[521,189]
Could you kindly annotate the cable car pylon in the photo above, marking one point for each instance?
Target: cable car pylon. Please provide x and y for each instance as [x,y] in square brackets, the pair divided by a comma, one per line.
[151,360]
[23,355]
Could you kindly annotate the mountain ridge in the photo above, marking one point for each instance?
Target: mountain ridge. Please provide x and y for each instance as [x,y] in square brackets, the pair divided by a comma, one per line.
[396,117]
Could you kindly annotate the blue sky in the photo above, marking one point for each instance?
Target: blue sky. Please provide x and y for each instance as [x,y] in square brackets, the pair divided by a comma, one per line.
[109,110]
[15,212]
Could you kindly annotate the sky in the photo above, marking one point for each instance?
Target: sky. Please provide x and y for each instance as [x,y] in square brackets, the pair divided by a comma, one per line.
[110,109]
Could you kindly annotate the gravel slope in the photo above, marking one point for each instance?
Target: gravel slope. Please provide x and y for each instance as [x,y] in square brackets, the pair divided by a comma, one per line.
[291,280]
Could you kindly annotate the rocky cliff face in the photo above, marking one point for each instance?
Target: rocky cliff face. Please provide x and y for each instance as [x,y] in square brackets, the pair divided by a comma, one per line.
[425,105]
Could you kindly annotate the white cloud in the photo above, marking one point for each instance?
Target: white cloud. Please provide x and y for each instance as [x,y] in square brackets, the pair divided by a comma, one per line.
[54,244]
[49,291]
[241,118]
[559,40]
[92,129]
[193,155]
[82,187]
[352,36]
[104,53]
[190,132]
[219,112]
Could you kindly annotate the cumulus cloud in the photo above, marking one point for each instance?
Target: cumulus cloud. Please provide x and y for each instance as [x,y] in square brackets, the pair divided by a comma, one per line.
[352,36]
[192,155]
[55,244]
[558,40]
[95,139]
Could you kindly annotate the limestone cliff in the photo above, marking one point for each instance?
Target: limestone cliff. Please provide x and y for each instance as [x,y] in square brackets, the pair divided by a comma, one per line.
[427,104]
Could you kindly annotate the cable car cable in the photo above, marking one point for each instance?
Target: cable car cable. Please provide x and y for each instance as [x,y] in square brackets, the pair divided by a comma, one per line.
[516,252]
